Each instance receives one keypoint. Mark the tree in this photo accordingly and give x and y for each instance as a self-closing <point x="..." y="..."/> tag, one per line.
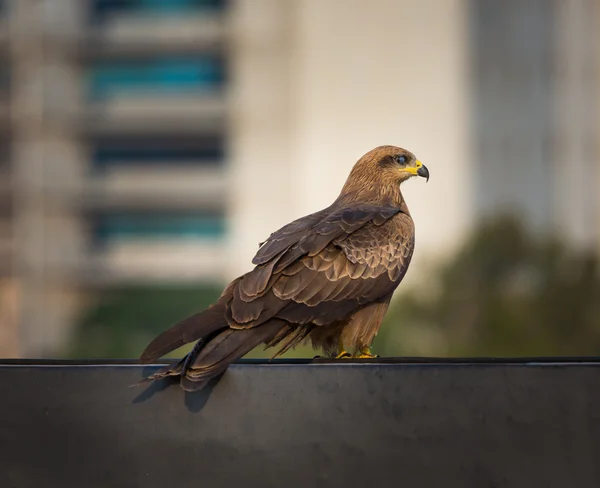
<point x="126" y="319"/>
<point x="505" y="293"/>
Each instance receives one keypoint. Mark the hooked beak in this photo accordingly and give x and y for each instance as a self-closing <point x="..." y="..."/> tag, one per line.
<point x="419" y="169"/>
<point x="422" y="170"/>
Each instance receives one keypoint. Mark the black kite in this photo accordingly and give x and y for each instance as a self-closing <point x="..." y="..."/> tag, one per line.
<point x="327" y="278"/>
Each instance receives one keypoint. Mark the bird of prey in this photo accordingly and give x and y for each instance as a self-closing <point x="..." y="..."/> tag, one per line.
<point x="326" y="278"/>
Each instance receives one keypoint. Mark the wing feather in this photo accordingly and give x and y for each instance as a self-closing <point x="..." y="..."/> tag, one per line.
<point x="320" y="269"/>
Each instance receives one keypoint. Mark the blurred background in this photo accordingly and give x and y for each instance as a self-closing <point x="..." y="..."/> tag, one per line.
<point x="148" y="146"/>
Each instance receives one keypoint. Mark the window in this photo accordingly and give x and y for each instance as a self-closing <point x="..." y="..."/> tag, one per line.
<point x="176" y="75"/>
<point x="157" y="226"/>
<point x="130" y="151"/>
<point x="102" y="9"/>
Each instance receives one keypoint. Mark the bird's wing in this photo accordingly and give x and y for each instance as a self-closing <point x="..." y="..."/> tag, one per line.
<point x="316" y="270"/>
<point x="322" y="268"/>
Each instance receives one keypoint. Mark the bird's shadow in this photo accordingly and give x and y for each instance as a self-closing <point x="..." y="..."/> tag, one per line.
<point x="194" y="401"/>
<point x="153" y="388"/>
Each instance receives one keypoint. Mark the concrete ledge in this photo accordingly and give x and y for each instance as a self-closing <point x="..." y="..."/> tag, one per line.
<point x="411" y="423"/>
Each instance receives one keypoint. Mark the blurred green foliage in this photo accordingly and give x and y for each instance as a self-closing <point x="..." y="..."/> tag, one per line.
<point x="505" y="293"/>
<point x="125" y="320"/>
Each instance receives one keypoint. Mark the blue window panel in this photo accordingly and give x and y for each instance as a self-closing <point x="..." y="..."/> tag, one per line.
<point x="143" y="151"/>
<point x="100" y="9"/>
<point x="136" y="227"/>
<point x="178" y="5"/>
<point x="175" y="75"/>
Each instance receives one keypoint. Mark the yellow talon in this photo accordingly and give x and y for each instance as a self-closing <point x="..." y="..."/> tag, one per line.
<point x="365" y="353"/>
<point x="342" y="353"/>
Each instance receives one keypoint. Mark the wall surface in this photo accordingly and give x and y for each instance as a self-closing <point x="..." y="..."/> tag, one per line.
<point x="461" y="424"/>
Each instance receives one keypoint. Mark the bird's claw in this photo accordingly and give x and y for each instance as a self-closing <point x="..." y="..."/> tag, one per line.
<point x="365" y="353"/>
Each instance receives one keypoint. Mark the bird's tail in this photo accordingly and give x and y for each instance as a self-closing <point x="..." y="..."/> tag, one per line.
<point x="218" y="346"/>
<point x="197" y="326"/>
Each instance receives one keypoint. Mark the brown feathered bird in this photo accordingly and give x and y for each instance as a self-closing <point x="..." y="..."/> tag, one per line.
<point x="327" y="278"/>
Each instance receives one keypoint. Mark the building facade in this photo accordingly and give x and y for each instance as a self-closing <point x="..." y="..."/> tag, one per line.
<point x="155" y="141"/>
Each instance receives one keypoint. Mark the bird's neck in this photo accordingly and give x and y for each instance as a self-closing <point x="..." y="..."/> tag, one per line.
<point x="375" y="194"/>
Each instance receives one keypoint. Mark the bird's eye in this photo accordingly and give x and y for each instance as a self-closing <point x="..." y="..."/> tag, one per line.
<point x="401" y="159"/>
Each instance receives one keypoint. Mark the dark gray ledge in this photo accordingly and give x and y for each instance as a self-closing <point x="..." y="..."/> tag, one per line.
<point x="401" y="423"/>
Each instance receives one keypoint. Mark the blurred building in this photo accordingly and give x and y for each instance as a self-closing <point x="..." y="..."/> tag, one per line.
<point x="158" y="141"/>
<point x="118" y="150"/>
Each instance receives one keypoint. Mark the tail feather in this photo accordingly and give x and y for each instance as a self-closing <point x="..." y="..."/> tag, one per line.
<point x="225" y="348"/>
<point x="188" y="330"/>
<point x="214" y="352"/>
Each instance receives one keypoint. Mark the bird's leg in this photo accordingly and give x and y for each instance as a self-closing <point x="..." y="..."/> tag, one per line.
<point x="342" y="353"/>
<point x="365" y="353"/>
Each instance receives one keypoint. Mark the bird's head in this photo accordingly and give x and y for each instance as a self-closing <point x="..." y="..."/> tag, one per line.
<point x="381" y="171"/>
<point x="392" y="164"/>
